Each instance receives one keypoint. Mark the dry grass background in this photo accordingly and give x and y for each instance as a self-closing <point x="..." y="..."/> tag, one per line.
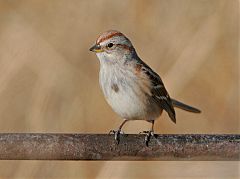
<point x="49" y="79"/>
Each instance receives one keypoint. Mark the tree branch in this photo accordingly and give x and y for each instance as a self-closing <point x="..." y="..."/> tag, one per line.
<point x="33" y="146"/>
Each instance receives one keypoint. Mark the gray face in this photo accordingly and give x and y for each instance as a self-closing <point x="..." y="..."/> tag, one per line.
<point x="114" y="49"/>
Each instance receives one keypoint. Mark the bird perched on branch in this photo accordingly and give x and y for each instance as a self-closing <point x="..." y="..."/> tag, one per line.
<point x="130" y="86"/>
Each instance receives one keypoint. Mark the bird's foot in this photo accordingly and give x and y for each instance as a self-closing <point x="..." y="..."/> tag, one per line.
<point x="148" y="135"/>
<point x="117" y="134"/>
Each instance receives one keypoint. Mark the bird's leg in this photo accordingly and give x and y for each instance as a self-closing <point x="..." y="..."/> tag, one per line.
<point x="118" y="132"/>
<point x="149" y="133"/>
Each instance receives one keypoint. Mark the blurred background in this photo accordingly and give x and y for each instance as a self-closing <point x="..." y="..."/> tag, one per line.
<point x="49" y="79"/>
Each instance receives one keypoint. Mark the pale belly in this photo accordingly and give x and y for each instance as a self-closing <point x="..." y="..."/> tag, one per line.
<point x="127" y="104"/>
<point x="126" y="95"/>
<point x="127" y="99"/>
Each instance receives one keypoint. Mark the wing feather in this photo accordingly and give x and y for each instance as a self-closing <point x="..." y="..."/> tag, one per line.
<point x="159" y="92"/>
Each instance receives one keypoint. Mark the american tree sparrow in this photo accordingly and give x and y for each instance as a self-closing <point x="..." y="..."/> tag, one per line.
<point x="130" y="86"/>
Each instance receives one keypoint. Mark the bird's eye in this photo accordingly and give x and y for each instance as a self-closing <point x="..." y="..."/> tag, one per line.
<point x="110" y="45"/>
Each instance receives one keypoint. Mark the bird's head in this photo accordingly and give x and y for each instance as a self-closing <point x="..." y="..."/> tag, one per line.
<point x="112" y="46"/>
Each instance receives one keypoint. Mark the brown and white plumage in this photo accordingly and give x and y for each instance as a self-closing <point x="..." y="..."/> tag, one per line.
<point x="130" y="86"/>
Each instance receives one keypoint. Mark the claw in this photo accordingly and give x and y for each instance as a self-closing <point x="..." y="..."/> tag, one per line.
<point x="143" y="132"/>
<point x="117" y="137"/>
<point x="112" y="132"/>
<point x="117" y="134"/>
<point x="148" y="136"/>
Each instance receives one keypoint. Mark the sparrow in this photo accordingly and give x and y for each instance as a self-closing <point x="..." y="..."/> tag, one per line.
<point x="130" y="86"/>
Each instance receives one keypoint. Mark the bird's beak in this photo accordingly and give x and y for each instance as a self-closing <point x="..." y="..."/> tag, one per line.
<point x="96" y="48"/>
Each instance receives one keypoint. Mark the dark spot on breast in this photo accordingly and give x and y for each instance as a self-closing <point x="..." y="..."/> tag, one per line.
<point x="115" y="87"/>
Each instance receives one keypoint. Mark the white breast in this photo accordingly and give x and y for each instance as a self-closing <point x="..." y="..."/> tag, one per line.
<point x="123" y="93"/>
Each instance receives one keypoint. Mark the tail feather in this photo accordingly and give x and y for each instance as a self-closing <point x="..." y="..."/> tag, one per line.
<point x="184" y="106"/>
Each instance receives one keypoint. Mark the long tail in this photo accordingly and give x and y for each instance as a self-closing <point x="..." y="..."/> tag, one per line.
<point x="184" y="106"/>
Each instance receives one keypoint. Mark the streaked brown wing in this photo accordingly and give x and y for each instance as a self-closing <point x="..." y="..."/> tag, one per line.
<point x="159" y="92"/>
